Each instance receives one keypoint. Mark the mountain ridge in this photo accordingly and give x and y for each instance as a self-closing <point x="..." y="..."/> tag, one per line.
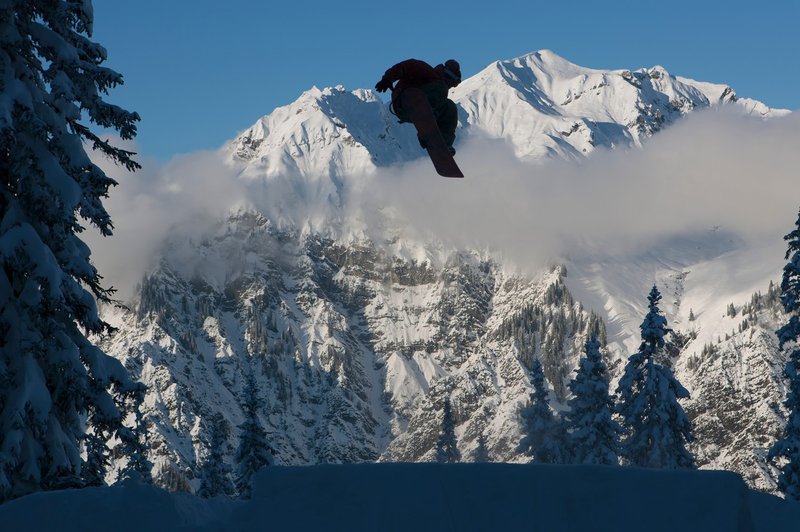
<point x="544" y="105"/>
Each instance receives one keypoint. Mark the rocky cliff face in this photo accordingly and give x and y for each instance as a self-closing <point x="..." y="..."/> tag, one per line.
<point x="738" y="391"/>
<point x="353" y="348"/>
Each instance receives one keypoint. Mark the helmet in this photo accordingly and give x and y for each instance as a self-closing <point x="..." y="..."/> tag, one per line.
<point x="453" y="71"/>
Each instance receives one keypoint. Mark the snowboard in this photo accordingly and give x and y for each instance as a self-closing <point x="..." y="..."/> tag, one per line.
<point x="428" y="132"/>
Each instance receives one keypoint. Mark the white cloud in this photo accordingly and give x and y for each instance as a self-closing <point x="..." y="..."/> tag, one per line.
<point x="185" y="194"/>
<point x="711" y="169"/>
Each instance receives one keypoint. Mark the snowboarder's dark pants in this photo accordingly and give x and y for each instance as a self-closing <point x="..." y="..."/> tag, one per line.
<point x="444" y="109"/>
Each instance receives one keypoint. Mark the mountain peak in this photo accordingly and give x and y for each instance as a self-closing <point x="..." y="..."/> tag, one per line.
<point x="325" y="132"/>
<point x="547" y="60"/>
<point x="312" y="93"/>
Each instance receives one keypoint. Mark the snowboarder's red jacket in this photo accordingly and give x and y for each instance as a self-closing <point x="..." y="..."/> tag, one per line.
<point x="413" y="73"/>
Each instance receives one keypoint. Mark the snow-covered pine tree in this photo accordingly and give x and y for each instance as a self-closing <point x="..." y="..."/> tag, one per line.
<point x="170" y="478"/>
<point x="131" y="448"/>
<point x="787" y="448"/>
<point x="51" y="376"/>
<point x="215" y="473"/>
<point x="544" y="436"/>
<point x="481" y="455"/>
<point x="447" y="447"/>
<point x="96" y="463"/>
<point x="133" y="441"/>
<point x="254" y="452"/>
<point x="592" y="431"/>
<point x="656" y="425"/>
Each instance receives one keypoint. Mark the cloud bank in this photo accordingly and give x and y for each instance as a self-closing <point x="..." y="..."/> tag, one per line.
<point x="185" y="195"/>
<point x="711" y="170"/>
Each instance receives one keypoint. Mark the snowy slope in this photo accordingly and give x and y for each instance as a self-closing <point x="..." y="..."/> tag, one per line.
<point x="324" y="132"/>
<point x="425" y="497"/>
<point x="700" y="274"/>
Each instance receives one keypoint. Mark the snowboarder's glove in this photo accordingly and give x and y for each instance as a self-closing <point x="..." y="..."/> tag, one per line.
<point x="383" y="85"/>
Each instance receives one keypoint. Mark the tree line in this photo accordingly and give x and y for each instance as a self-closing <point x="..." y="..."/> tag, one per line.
<point x="643" y="424"/>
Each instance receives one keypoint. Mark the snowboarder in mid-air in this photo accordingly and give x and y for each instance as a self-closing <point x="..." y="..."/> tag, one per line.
<point x="420" y="97"/>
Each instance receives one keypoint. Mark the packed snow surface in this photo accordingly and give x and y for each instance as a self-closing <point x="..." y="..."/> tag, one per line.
<point x="401" y="497"/>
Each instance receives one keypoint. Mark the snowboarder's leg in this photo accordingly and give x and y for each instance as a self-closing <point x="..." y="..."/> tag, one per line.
<point x="398" y="110"/>
<point x="415" y="104"/>
<point x="447" y="119"/>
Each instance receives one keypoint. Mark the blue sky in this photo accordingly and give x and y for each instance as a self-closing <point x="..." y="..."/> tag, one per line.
<point x="199" y="71"/>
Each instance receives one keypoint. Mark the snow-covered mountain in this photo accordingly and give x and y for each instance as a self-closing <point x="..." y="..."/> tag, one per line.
<point x="542" y="104"/>
<point x="547" y="106"/>
<point x="356" y="337"/>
